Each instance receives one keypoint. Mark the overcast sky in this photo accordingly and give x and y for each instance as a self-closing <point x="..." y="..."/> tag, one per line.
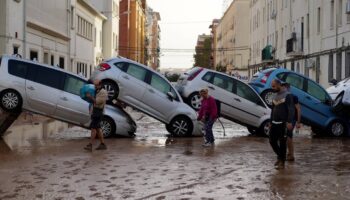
<point x="181" y="23"/>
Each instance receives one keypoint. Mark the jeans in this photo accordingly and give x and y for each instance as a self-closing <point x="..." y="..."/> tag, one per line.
<point x="278" y="140"/>
<point x="208" y="127"/>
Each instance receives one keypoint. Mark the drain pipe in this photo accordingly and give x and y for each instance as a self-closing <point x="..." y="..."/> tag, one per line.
<point x="24" y="29"/>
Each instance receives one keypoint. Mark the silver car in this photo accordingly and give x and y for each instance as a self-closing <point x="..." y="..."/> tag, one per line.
<point x="55" y="93"/>
<point x="148" y="91"/>
<point x="238" y="101"/>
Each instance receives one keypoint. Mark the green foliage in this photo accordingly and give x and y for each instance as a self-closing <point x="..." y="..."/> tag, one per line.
<point x="203" y="55"/>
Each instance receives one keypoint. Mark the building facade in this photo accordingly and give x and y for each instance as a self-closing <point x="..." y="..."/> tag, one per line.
<point x="213" y="31"/>
<point x="153" y="38"/>
<point x="132" y="30"/>
<point x="233" y="39"/>
<point x="309" y="37"/>
<point x="65" y="34"/>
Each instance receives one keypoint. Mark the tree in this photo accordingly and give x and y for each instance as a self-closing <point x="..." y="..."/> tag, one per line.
<point x="202" y="57"/>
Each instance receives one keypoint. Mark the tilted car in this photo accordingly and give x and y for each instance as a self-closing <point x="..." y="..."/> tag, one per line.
<point x="316" y="103"/>
<point x="53" y="92"/>
<point x="149" y="92"/>
<point x="340" y="93"/>
<point x="238" y="101"/>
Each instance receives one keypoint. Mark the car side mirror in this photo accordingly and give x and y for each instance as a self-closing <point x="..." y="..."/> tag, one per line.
<point x="334" y="82"/>
<point x="170" y="96"/>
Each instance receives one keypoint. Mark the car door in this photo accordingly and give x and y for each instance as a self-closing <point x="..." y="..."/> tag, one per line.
<point x="317" y="102"/>
<point x="70" y="106"/>
<point x="132" y="81"/>
<point x="43" y="87"/>
<point x="251" y="106"/>
<point x="156" y="99"/>
<point x="221" y="87"/>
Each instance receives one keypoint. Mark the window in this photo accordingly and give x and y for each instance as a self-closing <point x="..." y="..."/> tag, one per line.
<point x="332" y="15"/>
<point x="45" y="76"/>
<point x="52" y="60"/>
<point x="72" y="15"/>
<point x="160" y="84"/>
<point x="339" y="66"/>
<point x="84" y="28"/>
<point x="82" y="69"/>
<point x="73" y="84"/>
<point x="207" y="76"/>
<point x="281" y="76"/>
<point x="137" y="72"/>
<point x="121" y="65"/>
<point x="318" y="20"/>
<point x="330" y="67"/>
<point x="46" y="58"/>
<point x="17" y="68"/>
<point x="316" y="91"/>
<point x="33" y="55"/>
<point x="246" y="92"/>
<point x="340" y="12"/>
<point x="295" y="80"/>
<point x="61" y="62"/>
<point x="223" y="82"/>
<point x="15" y="50"/>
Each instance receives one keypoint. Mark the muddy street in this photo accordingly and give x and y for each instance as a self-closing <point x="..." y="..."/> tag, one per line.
<point x="46" y="160"/>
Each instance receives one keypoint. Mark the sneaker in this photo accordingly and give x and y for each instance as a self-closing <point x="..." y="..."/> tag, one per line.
<point x="208" y="144"/>
<point x="88" y="147"/>
<point x="280" y="165"/>
<point x="101" y="147"/>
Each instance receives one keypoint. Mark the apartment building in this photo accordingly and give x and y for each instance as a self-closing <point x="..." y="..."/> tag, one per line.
<point x="153" y="38"/>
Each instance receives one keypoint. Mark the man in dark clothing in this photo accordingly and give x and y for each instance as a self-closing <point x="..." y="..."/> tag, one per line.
<point x="296" y="124"/>
<point x="282" y="115"/>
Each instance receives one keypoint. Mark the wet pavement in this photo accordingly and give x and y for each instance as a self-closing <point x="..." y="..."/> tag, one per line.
<point x="46" y="160"/>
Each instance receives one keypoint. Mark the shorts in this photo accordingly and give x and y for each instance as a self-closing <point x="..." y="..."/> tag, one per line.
<point x="95" y="122"/>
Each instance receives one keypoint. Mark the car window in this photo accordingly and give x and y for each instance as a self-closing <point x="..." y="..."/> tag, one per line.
<point x="73" y="84"/>
<point x="17" y="68"/>
<point x="46" y="76"/>
<point x="161" y="85"/>
<point x="223" y="82"/>
<point x="316" y="91"/>
<point x="120" y="65"/>
<point x="280" y="76"/>
<point x="246" y="92"/>
<point x="295" y="80"/>
<point x="207" y="76"/>
<point x="136" y="71"/>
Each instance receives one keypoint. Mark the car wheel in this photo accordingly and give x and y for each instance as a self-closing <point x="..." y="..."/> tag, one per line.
<point x="111" y="88"/>
<point x="181" y="126"/>
<point x="264" y="129"/>
<point x="338" y="103"/>
<point x="108" y="127"/>
<point x="267" y="96"/>
<point x="337" y="128"/>
<point x="11" y="101"/>
<point x="195" y="101"/>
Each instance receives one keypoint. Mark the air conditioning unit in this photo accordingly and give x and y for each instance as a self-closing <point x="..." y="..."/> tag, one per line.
<point x="273" y="14"/>
<point x="348" y="7"/>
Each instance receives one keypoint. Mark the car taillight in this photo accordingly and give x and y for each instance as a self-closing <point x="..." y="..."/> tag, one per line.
<point x="192" y="76"/>
<point x="265" y="77"/>
<point x="103" y="67"/>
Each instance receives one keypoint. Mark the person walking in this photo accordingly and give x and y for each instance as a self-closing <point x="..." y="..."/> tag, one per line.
<point x="282" y="115"/>
<point x="99" y="103"/>
<point x="207" y="114"/>
<point x="296" y="124"/>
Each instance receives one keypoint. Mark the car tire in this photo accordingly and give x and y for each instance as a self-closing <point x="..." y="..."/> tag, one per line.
<point x="264" y="129"/>
<point x="316" y="130"/>
<point x="108" y="127"/>
<point x="194" y="101"/>
<point x="180" y="126"/>
<point x="251" y="130"/>
<point x="337" y="128"/>
<point x="338" y="103"/>
<point x="267" y="96"/>
<point x="111" y="88"/>
<point x="11" y="101"/>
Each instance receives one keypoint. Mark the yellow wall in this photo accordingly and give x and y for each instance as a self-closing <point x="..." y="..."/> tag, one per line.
<point x="137" y="32"/>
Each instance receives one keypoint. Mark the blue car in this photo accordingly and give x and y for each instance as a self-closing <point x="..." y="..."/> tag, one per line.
<point x="316" y="103"/>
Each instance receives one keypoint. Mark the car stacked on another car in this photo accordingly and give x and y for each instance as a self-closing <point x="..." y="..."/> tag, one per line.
<point x="238" y="101"/>
<point x="316" y="103"/>
<point x="340" y="93"/>
<point x="55" y="93"/>
<point x="148" y="91"/>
